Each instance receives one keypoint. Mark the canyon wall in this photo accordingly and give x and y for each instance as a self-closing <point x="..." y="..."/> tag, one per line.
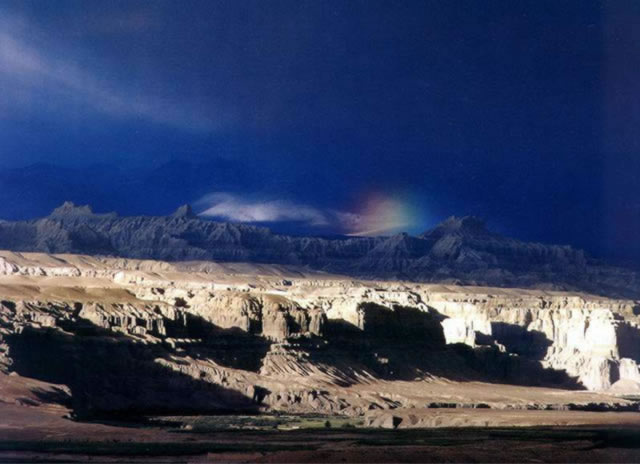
<point x="137" y="334"/>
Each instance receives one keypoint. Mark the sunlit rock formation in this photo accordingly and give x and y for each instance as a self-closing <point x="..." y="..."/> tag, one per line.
<point x="133" y="335"/>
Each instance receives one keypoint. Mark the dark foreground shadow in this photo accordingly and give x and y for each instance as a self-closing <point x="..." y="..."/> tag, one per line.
<point x="110" y="375"/>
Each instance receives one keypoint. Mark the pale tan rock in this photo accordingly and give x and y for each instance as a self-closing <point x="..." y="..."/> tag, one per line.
<point x="249" y="333"/>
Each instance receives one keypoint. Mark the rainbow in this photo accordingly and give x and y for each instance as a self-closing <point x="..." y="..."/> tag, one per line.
<point x="384" y="214"/>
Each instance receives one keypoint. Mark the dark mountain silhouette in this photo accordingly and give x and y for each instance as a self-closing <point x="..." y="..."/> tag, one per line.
<point x="459" y="250"/>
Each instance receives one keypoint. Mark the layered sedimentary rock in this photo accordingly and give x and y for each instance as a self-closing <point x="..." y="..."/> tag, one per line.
<point x="132" y="335"/>
<point x="460" y="250"/>
<point x="594" y="340"/>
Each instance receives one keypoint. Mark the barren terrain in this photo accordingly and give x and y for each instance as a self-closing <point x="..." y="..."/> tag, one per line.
<point x="327" y="361"/>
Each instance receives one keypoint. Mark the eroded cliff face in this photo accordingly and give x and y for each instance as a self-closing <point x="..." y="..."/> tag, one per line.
<point x="109" y="354"/>
<point x="129" y="335"/>
<point x="594" y="340"/>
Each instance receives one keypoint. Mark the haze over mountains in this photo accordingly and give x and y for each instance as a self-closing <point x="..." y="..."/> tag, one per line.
<point x="459" y="250"/>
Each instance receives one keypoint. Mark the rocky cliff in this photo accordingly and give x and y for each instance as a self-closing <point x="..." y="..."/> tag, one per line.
<point x="460" y="250"/>
<point x="146" y="336"/>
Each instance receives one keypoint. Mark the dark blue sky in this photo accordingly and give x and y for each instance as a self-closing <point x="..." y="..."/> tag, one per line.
<point x="335" y="116"/>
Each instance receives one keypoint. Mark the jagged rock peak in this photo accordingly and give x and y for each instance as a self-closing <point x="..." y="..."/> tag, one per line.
<point x="395" y="240"/>
<point x="185" y="211"/>
<point x="467" y="225"/>
<point x="401" y="244"/>
<point x="68" y="208"/>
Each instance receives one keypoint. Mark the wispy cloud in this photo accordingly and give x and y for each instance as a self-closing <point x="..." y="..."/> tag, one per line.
<point x="32" y="70"/>
<point x="234" y="208"/>
<point x="380" y="216"/>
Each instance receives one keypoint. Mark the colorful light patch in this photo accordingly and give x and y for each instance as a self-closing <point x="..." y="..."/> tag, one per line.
<point x="384" y="215"/>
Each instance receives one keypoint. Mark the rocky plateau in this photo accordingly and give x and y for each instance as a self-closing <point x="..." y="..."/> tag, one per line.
<point x="107" y="336"/>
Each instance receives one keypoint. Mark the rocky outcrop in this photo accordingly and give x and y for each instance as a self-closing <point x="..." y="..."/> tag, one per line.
<point x="594" y="340"/>
<point x="125" y="334"/>
<point x="460" y="250"/>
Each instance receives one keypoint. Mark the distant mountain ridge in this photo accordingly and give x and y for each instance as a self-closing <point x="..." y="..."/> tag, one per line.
<point x="459" y="250"/>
